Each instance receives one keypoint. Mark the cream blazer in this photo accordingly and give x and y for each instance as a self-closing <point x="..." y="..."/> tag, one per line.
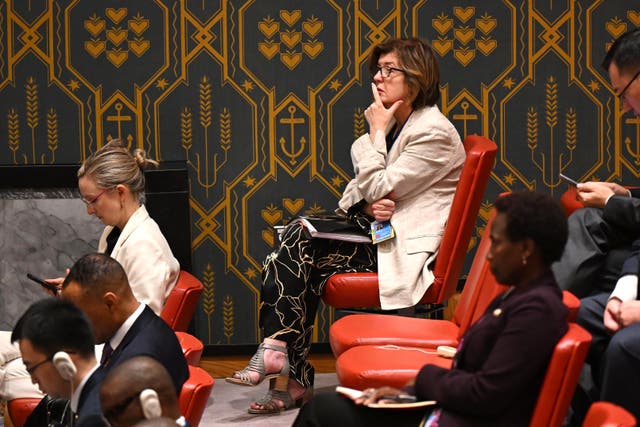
<point x="145" y="255"/>
<point x="422" y="169"/>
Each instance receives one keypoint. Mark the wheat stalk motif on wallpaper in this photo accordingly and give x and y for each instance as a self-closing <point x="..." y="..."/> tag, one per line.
<point x="206" y="177"/>
<point x="208" y="294"/>
<point x="32" y="110"/>
<point x="52" y="133"/>
<point x="552" y="160"/>
<point x="228" y="318"/>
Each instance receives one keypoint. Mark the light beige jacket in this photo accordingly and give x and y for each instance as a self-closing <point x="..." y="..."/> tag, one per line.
<point x="422" y="169"/>
<point x="146" y="257"/>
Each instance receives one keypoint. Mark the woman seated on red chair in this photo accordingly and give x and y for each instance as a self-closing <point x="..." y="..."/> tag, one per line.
<point x="502" y="359"/>
<point x="406" y="171"/>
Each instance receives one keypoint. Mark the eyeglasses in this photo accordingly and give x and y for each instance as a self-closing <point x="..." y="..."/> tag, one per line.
<point x="33" y="368"/>
<point x="385" y="71"/>
<point x="95" y="199"/>
<point x="621" y="95"/>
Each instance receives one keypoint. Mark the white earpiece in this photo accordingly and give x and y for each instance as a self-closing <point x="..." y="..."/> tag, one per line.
<point x="150" y="403"/>
<point x="64" y="365"/>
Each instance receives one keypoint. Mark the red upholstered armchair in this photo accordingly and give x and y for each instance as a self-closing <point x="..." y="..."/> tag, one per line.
<point x="195" y="394"/>
<point x="606" y="414"/>
<point x="347" y="290"/>
<point x="182" y="301"/>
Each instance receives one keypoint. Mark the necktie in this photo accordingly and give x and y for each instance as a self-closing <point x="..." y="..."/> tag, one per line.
<point x="106" y="353"/>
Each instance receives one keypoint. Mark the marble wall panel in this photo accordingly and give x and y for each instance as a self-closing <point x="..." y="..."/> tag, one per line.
<point x="41" y="233"/>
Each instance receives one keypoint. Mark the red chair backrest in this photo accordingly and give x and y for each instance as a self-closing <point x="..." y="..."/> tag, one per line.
<point x="192" y="347"/>
<point x="572" y="303"/>
<point x="20" y="409"/>
<point x="569" y="202"/>
<point x="480" y="287"/>
<point x="606" y="414"/>
<point x="195" y="394"/>
<point x="481" y="153"/>
<point x="561" y="378"/>
<point x="182" y="301"/>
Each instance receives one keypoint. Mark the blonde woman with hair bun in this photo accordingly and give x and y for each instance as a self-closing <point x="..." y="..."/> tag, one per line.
<point x="111" y="183"/>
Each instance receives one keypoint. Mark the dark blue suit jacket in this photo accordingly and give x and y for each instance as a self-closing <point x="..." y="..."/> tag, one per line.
<point x="151" y="336"/>
<point x="89" y="413"/>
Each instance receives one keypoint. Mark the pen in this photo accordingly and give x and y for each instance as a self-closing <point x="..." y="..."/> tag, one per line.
<point x="400" y="398"/>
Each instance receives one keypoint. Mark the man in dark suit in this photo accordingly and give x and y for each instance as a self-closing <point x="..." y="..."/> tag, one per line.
<point x="137" y="389"/>
<point x="56" y="344"/>
<point x="601" y="235"/>
<point x="604" y="250"/>
<point x="98" y="285"/>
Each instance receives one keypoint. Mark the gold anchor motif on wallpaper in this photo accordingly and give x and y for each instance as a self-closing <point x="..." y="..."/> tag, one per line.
<point x="627" y="141"/>
<point x="116" y="35"/>
<point x="119" y="118"/>
<point x="292" y="122"/>
<point x="290" y="38"/>
<point x="560" y="159"/>
<point x="463" y="51"/>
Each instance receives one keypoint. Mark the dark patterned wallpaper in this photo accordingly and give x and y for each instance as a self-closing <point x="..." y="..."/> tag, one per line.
<point x="263" y="99"/>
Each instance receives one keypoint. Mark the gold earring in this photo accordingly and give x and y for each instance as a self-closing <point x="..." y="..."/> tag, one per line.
<point x="524" y="260"/>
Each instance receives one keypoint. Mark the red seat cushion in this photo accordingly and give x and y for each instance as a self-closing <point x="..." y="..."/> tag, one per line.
<point x="378" y="329"/>
<point x="377" y="366"/>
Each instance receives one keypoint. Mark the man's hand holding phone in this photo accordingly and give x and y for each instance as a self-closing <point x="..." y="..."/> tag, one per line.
<point x="50" y="286"/>
<point x="568" y="180"/>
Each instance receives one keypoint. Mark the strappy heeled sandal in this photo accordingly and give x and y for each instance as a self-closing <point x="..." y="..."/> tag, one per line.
<point x="270" y="406"/>
<point x="256" y="364"/>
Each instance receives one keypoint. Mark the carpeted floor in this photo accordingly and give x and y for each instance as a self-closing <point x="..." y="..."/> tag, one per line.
<point x="228" y="404"/>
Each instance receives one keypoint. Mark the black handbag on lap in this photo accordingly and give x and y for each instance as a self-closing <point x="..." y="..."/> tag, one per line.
<point x="50" y="412"/>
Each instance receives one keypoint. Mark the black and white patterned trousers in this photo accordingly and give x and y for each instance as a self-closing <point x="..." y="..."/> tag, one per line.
<point x="293" y="279"/>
